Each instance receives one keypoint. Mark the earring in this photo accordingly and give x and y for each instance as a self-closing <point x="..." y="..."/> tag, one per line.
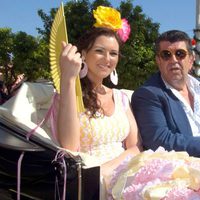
<point x="84" y="70"/>
<point x="114" y="77"/>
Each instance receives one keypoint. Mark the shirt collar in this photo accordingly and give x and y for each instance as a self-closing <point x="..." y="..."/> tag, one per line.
<point x="192" y="83"/>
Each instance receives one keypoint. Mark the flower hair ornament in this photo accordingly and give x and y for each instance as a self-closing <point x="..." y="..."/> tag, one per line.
<point x="111" y="18"/>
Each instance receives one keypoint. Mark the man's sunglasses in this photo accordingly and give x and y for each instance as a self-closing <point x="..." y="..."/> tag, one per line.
<point x="179" y="53"/>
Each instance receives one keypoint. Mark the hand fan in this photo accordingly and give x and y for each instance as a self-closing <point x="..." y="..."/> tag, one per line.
<point x="57" y="35"/>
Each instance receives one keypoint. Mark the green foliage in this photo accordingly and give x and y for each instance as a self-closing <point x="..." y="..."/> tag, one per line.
<point x="78" y="19"/>
<point x="22" y="54"/>
<point x="31" y="55"/>
<point x="137" y="62"/>
<point x="47" y="22"/>
<point x="100" y="2"/>
<point x="6" y="44"/>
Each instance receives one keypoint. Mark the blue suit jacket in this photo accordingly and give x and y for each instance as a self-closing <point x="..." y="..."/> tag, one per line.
<point x="161" y="118"/>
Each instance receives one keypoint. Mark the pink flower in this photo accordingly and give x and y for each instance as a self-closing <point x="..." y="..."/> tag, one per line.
<point x="124" y="32"/>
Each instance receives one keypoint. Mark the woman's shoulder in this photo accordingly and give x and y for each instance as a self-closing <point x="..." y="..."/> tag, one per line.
<point x="123" y="96"/>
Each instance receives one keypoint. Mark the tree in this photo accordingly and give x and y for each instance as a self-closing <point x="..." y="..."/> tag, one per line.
<point x="6" y="38"/>
<point x="137" y="61"/>
<point x="21" y="55"/>
<point x="31" y="55"/>
<point x="6" y="71"/>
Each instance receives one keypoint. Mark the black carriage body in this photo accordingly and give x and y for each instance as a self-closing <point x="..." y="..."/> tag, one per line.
<point x="38" y="172"/>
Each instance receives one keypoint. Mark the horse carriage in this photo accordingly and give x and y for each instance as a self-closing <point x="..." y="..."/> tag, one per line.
<point x="32" y="165"/>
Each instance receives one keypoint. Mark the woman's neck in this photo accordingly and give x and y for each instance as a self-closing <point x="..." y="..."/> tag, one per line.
<point x="100" y="89"/>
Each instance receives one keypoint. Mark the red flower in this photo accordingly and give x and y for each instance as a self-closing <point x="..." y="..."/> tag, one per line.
<point x="194" y="42"/>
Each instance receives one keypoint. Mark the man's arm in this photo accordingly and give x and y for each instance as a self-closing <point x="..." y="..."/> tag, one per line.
<point x="159" y="125"/>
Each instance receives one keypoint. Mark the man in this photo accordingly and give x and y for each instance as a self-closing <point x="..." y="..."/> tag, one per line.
<point x="167" y="106"/>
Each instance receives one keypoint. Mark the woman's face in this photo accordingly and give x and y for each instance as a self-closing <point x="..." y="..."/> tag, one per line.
<point x="102" y="58"/>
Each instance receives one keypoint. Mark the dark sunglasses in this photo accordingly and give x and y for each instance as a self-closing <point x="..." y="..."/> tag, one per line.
<point x="179" y="53"/>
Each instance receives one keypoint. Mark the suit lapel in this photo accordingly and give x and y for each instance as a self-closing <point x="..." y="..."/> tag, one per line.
<point x="178" y="113"/>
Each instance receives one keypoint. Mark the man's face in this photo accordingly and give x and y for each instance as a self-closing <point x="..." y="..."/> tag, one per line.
<point x="174" y="62"/>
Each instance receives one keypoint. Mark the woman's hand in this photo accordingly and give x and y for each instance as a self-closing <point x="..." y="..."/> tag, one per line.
<point x="70" y="61"/>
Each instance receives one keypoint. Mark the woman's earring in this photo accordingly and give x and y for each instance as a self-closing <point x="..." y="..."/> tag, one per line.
<point x="84" y="70"/>
<point x="114" y="77"/>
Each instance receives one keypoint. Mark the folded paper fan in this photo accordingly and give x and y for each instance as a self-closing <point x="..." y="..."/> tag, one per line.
<point x="57" y="35"/>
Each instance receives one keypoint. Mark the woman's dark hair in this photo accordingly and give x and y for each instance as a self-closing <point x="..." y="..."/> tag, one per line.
<point x="85" y="43"/>
<point x="174" y="36"/>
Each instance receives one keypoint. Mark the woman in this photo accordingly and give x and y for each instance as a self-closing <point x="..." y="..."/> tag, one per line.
<point x="107" y="129"/>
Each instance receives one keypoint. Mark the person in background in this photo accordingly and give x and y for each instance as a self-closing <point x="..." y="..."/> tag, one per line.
<point x="107" y="129"/>
<point x="167" y="106"/>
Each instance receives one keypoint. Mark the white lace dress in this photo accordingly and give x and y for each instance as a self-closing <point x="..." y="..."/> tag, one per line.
<point x="103" y="137"/>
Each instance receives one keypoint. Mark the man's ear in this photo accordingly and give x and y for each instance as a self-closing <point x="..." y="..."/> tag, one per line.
<point x="157" y="60"/>
<point x="192" y="59"/>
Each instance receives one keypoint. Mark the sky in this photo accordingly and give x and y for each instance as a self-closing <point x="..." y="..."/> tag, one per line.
<point x="21" y="15"/>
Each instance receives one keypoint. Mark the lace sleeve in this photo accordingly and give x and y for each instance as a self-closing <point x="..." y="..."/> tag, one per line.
<point x="125" y="99"/>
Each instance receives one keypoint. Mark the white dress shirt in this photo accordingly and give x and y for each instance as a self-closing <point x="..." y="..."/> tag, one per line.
<point x="193" y="116"/>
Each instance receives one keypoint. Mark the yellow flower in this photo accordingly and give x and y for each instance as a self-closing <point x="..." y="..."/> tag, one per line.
<point x="107" y="17"/>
